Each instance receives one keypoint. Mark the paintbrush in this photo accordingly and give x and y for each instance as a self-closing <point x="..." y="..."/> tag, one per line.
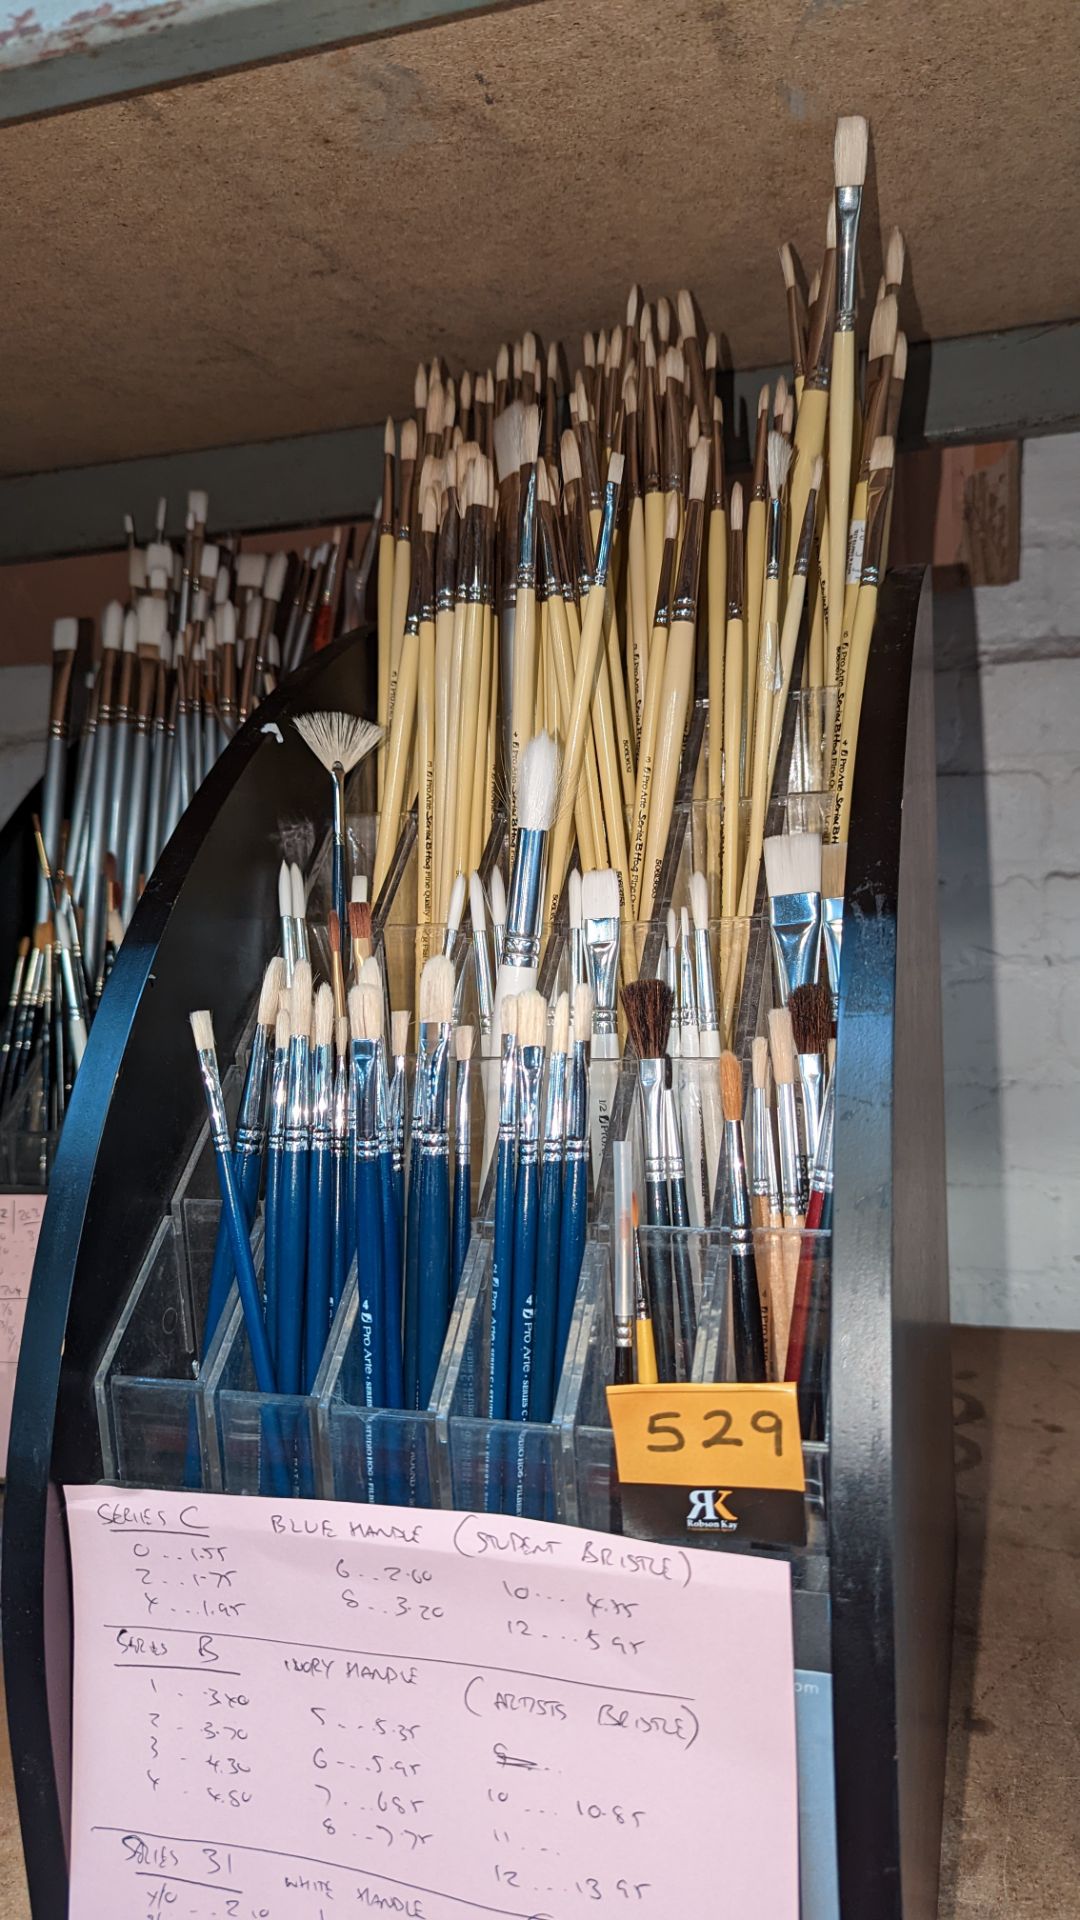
<point x="65" y="639"/>
<point x="339" y="742"/>
<point x="758" y="751"/>
<point x="502" y="1264"/>
<point x="538" y="787"/>
<point x="850" y="691"/>
<point x="601" y="931"/>
<point x="433" y="1217"/>
<point x="747" y="1331"/>
<point x="784" y="1267"/>
<point x="648" y="1008"/>
<point x="365" y="1028"/>
<point x="546" y="1316"/>
<point x="849" y="165"/>
<point x="462" y="1224"/>
<point x="793" y="878"/>
<point x="833" y="867"/>
<point x="678" y="681"/>
<point x="575" y="1190"/>
<point x="531" y="1053"/>
<point x="765" y="1204"/>
<point x="733" y="712"/>
<point x="810" y="1008"/>
<point x="202" y="1027"/>
<point x="623" y="1285"/>
<point x="322" y="1220"/>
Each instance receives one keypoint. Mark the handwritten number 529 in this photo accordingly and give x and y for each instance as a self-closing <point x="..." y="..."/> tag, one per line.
<point x="666" y="1423"/>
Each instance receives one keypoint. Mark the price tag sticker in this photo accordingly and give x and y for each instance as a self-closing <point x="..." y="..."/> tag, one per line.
<point x="724" y="1460"/>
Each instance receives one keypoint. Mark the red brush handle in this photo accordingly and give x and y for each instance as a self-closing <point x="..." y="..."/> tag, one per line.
<point x="323" y="633"/>
<point x="804" y="1280"/>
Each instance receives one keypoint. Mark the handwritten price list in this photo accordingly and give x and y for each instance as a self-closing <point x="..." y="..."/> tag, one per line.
<point x="20" y="1224"/>
<point x="294" y="1711"/>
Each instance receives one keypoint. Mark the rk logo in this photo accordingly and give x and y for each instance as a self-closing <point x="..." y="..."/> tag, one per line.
<point x="709" y="1508"/>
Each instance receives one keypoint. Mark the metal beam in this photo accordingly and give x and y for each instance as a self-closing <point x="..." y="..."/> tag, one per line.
<point x="1002" y="386"/>
<point x="60" y="54"/>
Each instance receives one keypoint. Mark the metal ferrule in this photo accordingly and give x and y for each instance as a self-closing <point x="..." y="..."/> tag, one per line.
<point x="251" y="1121"/>
<point x="819" y="341"/>
<point x="708" y="1017"/>
<point x="485" y="990"/>
<point x="433" y="1072"/>
<point x="812" y="1081"/>
<point x="763" y="1176"/>
<point x="554" y="1108"/>
<point x="521" y="946"/>
<point x="396" y="1100"/>
<point x="795" y="919"/>
<point x="774" y="541"/>
<point x="832" y="934"/>
<point x="667" y="968"/>
<point x="607" y="534"/>
<point x="298" y="1099"/>
<point x="787" y="1120"/>
<point x="822" y="1180"/>
<point x="737" y="1190"/>
<point x="685" y="1005"/>
<point x="365" y="1075"/>
<point x="577" y="1102"/>
<point x="215" y="1100"/>
<point x="339" y="1116"/>
<point x="382" y="1102"/>
<point x="624" y="1296"/>
<point x="759" y="486"/>
<point x="76" y="1025"/>
<point x="684" y="604"/>
<point x="662" y="611"/>
<point x="303" y="950"/>
<point x="289" y="951"/>
<point x="736" y="571"/>
<point x="279" y="1087"/>
<point x="526" y="562"/>
<point x="322" y="1098"/>
<point x="602" y="958"/>
<point x="652" y="1077"/>
<point x="676" y="1169"/>
<point x="848" y="208"/>
<point x="508" y="1089"/>
<point x="530" y="1071"/>
<point x="463" y="1114"/>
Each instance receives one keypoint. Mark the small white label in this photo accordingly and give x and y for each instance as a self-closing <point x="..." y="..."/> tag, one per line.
<point x="856" y="539"/>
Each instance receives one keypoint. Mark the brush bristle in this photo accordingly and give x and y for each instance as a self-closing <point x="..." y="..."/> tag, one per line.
<point x="399" y="1032"/>
<point x="477" y="904"/>
<point x="338" y="739"/>
<point x="323" y="1023"/>
<point x="778" y="457"/>
<point x="849" y="150"/>
<point x="298" y="891"/>
<point x="687" y="317"/>
<point x="508" y="1014"/>
<point x="736" y="508"/>
<point x="112" y="626"/>
<point x="202" y="1026"/>
<point x="833" y="869"/>
<point x="270" y="992"/>
<point x="615" y="465"/>
<point x="895" y="255"/>
<point x="508" y="435"/>
<point x="429" y="512"/>
<point x="600" y="899"/>
<point x="497" y="897"/>
<point x="584" y="1002"/>
<point x="671" y="517"/>
<point x="571" y="459"/>
<point x="300" y="997"/>
<point x="65" y="634"/>
<point x="437" y="990"/>
<point x="388" y="439"/>
<point x="560" y="1025"/>
<point x="410" y="439"/>
<point x="882" y="453"/>
<point x="463" y="1044"/>
<point x="341" y="1035"/>
<point x="811" y="1018"/>
<point x="573" y="898"/>
<point x="276" y="569"/>
<point x="284" y="890"/>
<point x="360" y="923"/>
<point x="531" y="1019"/>
<point x="883" y="328"/>
<point x="781" y="1046"/>
<point x="699" y="900"/>
<point x="899" y="359"/>
<point x="792" y="863"/>
<point x="759" y="1061"/>
<point x="787" y="264"/>
<point x="457" y="904"/>
<point x="538" y="783"/>
<point x="699" y="469"/>
<point x="731" y="1087"/>
<point x="420" y="387"/>
<point x="648" y="1004"/>
<point x="370" y="974"/>
<point x="531" y="436"/>
<point x="816" y="472"/>
<point x="282" y="1025"/>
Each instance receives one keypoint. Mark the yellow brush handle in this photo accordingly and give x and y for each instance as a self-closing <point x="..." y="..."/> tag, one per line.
<point x="755" y="586"/>
<point x="789" y="639"/>
<point x="563" y="678"/>
<point x="645" y="1348"/>
<point x="844" y="771"/>
<point x="596" y="810"/>
<point x="448" y="827"/>
<point x="646" y="751"/>
<point x="841" y="425"/>
<point x="653" y="504"/>
<point x="398" y="755"/>
<point x="478" y="784"/>
<point x="444" y="658"/>
<point x="385" y="597"/>
<point x="492" y="750"/>
<point x="471" y="732"/>
<point x="815" y="653"/>
<point x="809" y="442"/>
<point x="717" y="578"/>
<point x="759" y="790"/>
<point x="399" y="607"/>
<point x="425" y="766"/>
<point x="618" y="703"/>
<point x="852" y="577"/>
<point x="588" y="656"/>
<point x="523" y="688"/>
<point x="608" y="762"/>
<point x="671" y="725"/>
<point x="733" y="690"/>
<point x="640" y="610"/>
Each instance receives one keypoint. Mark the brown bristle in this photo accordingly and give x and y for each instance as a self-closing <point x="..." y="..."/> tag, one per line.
<point x="731" y="1089"/>
<point x="359" y="919"/>
<point x="811" y="1018"/>
<point x="647" y="1004"/>
<point x="333" y="928"/>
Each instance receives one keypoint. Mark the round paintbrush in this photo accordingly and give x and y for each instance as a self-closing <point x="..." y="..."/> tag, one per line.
<point x="747" y="1330"/>
<point x="648" y="1008"/>
<point x="677" y="688"/>
<point x="849" y="164"/>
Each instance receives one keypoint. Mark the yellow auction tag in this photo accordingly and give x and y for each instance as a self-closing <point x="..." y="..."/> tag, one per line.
<point x="690" y="1435"/>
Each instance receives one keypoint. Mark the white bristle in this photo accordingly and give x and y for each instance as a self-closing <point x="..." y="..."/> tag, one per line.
<point x="323" y="1024"/>
<point x="560" y="1025"/>
<point x="226" y="624"/>
<point x="699" y="899"/>
<point x="159" y="558"/>
<point x="202" y="1026"/>
<point x="584" y="1001"/>
<point x="895" y="252"/>
<point x="463" y="1043"/>
<point x="338" y="739"/>
<point x="759" y="1061"/>
<point x="298" y="892"/>
<point x="300" y="997"/>
<point x="793" y="863"/>
<point x="538" y="783"/>
<point x="131" y="631"/>
<point x="671" y="928"/>
<point x="359" y="888"/>
<point x="457" y="904"/>
<point x="222" y="584"/>
<point x="251" y="570"/>
<point x="399" y="1032"/>
<point x="849" y="150"/>
<point x="270" y="992"/>
<point x="276" y="569"/>
<point x="699" y="469"/>
<point x="370" y="973"/>
<point x="497" y="897"/>
<point x="508" y="1016"/>
<point x="573" y="898"/>
<point x="65" y="635"/>
<point x="778" y="457"/>
<point x="112" y="626"/>
<point x="284" y="890"/>
<point x="615" y="465"/>
<point x="477" y="907"/>
<point x="532" y="1019"/>
<point x="150" y="619"/>
<point x="341" y="1035"/>
<point x="883" y="328"/>
<point x="198" y="505"/>
<point x="600" y="894"/>
<point x="437" y="990"/>
<point x="508" y="435"/>
<point x="282" y="1025"/>
<point x="371" y="1002"/>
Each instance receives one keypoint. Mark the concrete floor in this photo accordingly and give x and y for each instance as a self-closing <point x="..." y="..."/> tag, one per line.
<point x="1012" y="1827"/>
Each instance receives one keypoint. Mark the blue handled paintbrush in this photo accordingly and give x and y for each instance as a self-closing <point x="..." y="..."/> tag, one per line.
<point x="293" y="1197"/>
<point x="321" y="1170"/>
<point x="542" y="1388"/>
<point x="575" y="1193"/>
<point x="275" y="1148"/>
<point x="433" y="1215"/>
<point x="202" y="1026"/>
<point x="531" y="1054"/>
<point x="463" y="1046"/>
<point x="249" y="1145"/>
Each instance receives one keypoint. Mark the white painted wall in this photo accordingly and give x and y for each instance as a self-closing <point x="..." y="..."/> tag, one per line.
<point x="1008" y="690"/>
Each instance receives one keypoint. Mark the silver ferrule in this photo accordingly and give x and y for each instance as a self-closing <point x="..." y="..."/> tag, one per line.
<point x="555" y="1108"/>
<point x="337" y="775"/>
<point x="578" y="961"/>
<point x="577" y="1101"/>
<point x="300" y="931"/>
<point x="526" y="567"/>
<point x="396" y="1111"/>
<point x="708" y="1017"/>
<point x="322" y="1098"/>
<point x="676" y="1169"/>
<point x="624" y="1291"/>
<point x="668" y="968"/>
<point x="871" y="573"/>
<point x="365" y="1075"/>
<point x="602" y="959"/>
<point x="652" y="1075"/>
<point x="250" y="1121"/>
<point x="382" y="1102"/>
<point x="795" y="919"/>
<point x="508" y="1088"/>
<point x="763" y="1177"/>
<point x="823" y="1160"/>
<point x="788" y="1126"/>
<point x="530" y="1066"/>
<point x="215" y="1100"/>
<point x="339" y="1115"/>
<point x="686" y="1009"/>
<point x="298" y="1099"/>
<point x="521" y="948"/>
<point x="463" y="1114"/>
<point x="736" y="1166"/>
<point x="289" y="952"/>
<point x="848" y="207"/>
<point x="607" y="534"/>
<point x="774" y="541"/>
<point x="76" y="1025"/>
<point x="433" y="1074"/>
<point x="812" y="1081"/>
<point x="485" y="989"/>
<point x="279" y="1087"/>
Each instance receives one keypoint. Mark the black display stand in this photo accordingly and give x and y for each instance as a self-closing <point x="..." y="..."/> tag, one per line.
<point x="201" y="935"/>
